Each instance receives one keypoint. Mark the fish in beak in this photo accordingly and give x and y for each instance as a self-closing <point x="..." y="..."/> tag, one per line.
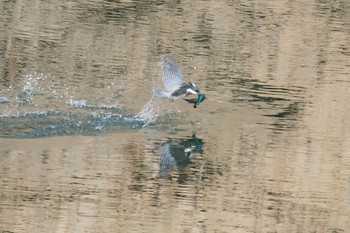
<point x="197" y="101"/>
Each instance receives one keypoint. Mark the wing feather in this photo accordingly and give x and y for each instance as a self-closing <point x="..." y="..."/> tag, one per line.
<point x="172" y="75"/>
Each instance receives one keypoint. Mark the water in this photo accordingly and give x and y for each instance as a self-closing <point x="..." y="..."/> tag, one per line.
<point x="86" y="146"/>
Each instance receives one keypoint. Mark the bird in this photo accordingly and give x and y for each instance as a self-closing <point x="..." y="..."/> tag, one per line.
<point x="177" y="152"/>
<point x="172" y="81"/>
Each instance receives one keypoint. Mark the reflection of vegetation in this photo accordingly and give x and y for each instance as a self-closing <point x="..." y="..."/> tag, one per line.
<point x="284" y="103"/>
<point x="256" y="91"/>
<point x="287" y="118"/>
<point x="291" y="110"/>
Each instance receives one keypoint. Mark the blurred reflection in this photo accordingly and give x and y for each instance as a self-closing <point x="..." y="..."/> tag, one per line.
<point x="177" y="152"/>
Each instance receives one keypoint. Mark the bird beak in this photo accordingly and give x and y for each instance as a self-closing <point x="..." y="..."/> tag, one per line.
<point x="192" y="91"/>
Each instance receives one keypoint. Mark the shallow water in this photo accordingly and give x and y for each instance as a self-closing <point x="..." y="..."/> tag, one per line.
<point x="87" y="147"/>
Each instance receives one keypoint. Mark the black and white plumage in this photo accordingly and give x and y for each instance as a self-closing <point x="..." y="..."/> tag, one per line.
<point x="177" y="152"/>
<point x="172" y="81"/>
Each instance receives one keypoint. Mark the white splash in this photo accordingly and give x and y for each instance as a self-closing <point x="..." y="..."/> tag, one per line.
<point x="150" y="112"/>
<point x="78" y="103"/>
<point x="4" y="100"/>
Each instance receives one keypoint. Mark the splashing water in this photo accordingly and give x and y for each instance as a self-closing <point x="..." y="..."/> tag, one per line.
<point x="4" y="100"/>
<point x="38" y="107"/>
<point x="150" y="112"/>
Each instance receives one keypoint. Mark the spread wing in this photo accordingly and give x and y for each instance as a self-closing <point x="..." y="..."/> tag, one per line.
<point x="172" y="75"/>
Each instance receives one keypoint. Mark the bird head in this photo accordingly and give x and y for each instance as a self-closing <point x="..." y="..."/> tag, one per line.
<point x="193" y="89"/>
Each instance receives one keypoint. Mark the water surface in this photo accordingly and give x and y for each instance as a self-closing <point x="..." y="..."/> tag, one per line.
<point x="87" y="147"/>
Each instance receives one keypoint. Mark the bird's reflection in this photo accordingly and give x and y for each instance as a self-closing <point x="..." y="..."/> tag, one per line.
<point x="177" y="152"/>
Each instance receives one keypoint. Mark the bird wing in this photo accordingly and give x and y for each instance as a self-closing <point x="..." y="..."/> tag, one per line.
<point x="172" y="75"/>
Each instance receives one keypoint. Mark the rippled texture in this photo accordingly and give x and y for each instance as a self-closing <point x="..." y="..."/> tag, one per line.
<point x="87" y="147"/>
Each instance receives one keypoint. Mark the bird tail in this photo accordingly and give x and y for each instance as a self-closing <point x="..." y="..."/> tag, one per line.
<point x="162" y="94"/>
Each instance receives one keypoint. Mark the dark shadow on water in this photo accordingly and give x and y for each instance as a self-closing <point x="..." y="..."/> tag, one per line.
<point x="177" y="153"/>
